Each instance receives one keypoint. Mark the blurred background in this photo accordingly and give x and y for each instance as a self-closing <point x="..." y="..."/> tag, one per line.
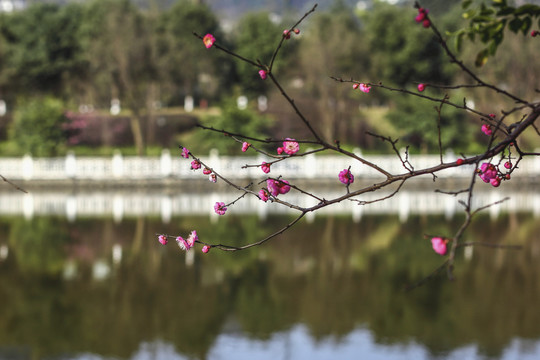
<point x="96" y="96"/>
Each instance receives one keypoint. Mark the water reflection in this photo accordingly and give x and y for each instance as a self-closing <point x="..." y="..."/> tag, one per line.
<point x="330" y="289"/>
<point x="167" y="204"/>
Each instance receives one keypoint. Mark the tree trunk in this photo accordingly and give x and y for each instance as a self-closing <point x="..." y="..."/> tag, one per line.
<point x="136" y="128"/>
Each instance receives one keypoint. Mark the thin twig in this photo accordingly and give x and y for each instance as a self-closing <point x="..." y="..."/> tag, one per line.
<point x="13" y="185"/>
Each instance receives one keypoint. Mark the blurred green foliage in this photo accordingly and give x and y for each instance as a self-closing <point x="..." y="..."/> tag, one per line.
<point x="247" y="122"/>
<point x="92" y="52"/>
<point x="37" y="126"/>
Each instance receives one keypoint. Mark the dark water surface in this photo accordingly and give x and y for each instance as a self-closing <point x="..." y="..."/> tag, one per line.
<point x="94" y="288"/>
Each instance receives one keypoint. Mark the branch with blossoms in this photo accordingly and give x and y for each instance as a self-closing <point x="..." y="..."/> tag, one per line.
<point x="502" y="132"/>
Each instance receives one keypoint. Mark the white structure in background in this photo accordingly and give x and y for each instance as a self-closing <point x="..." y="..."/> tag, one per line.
<point x="3" y="108"/>
<point x="11" y="5"/>
<point x="115" y="107"/>
<point x="242" y="102"/>
<point x="262" y="103"/>
<point x="189" y="103"/>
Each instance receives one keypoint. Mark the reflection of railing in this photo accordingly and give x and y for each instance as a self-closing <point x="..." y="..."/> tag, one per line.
<point x="120" y="167"/>
<point x="128" y="204"/>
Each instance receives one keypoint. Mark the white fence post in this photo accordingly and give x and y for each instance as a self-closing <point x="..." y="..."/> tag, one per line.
<point x="165" y="162"/>
<point x="71" y="165"/>
<point x="117" y="165"/>
<point x="27" y="167"/>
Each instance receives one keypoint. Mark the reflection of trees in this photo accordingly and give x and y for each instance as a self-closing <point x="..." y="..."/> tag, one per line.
<point x="39" y="244"/>
<point x="303" y="278"/>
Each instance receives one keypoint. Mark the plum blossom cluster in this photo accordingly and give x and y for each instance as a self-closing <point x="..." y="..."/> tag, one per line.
<point x="363" y="87"/>
<point x="290" y="147"/>
<point x="196" y="165"/>
<point x="486" y="129"/>
<point x="287" y="33"/>
<point x="276" y="187"/>
<point x="489" y="174"/>
<point x="422" y="17"/>
<point x="185" y="244"/>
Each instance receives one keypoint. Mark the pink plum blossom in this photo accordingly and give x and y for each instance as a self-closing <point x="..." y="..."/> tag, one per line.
<point x="421" y="87"/>
<point x="209" y="40"/>
<point x="192" y="238"/>
<point x="212" y="178"/>
<point x="185" y="153"/>
<point x="279" y="150"/>
<point x="486" y="129"/>
<point x="245" y="146"/>
<point x="296" y="31"/>
<point x="439" y="245"/>
<point x="265" y="167"/>
<point x="263" y="74"/>
<point x="163" y="239"/>
<point x="206" y="171"/>
<point x="426" y="23"/>
<point x="263" y="195"/>
<point x="355" y="86"/>
<point x="459" y="161"/>
<point x="205" y="249"/>
<point x="286" y="34"/>
<point x="495" y="182"/>
<point x="346" y="177"/>
<point x="290" y="146"/>
<point x="220" y="208"/>
<point x="420" y="17"/>
<point x="364" y="88"/>
<point x="283" y="186"/>
<point x="277" y="187"/>
<point x="508" y="164"/>
<point x="487" y="172"/>
<point x="195" y="164"/>
<point x="272" y="187"/>
<point x="182" y="244"/>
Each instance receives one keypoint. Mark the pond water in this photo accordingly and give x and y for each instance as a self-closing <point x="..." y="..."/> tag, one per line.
<point x="95" y="287"/>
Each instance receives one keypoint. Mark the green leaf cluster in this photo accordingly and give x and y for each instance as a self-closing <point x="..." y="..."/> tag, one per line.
<point x="489" y="22"/>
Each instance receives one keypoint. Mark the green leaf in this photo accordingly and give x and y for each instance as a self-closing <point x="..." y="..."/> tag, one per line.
<point x="527" y="9"/>
<point x="492" y="49"/>
<point x="508" y="10"/>
<point x="482" y="18"/>
<point x="459" y="40"/>
<point x="527" y="22"/>
<point x="515" y="24"/>
<point x="465" y="4"/>
<point x="481" y="58"/>
<point x="469" y="14"/>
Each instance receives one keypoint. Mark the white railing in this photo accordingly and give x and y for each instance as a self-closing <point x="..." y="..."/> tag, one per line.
<point x="120" y="167"/>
